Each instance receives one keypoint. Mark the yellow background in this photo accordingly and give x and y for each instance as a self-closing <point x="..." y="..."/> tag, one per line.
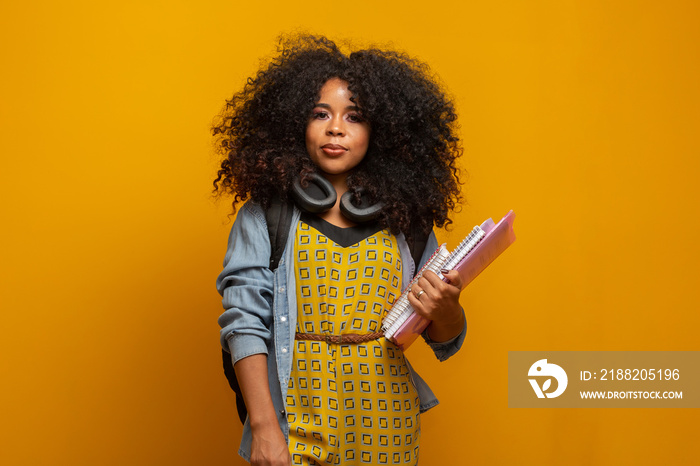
<point x="582" y="116"/>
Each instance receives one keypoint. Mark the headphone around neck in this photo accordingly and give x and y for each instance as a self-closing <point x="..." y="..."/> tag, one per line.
<point x="321" y="196"/>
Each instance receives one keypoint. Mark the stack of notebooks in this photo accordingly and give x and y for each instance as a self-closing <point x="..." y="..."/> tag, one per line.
<point x="485" y="243"/>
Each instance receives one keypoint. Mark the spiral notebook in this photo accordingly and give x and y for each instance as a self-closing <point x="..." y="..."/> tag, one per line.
<point x="482" y="246"/>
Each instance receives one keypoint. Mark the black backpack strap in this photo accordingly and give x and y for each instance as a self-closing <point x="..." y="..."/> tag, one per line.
<point x="279" y="220"/>
<point x="419" y="240"/>
<point x="230" y="374"/>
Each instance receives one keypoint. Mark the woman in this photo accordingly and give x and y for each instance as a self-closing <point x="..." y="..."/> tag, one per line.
<point x="364" y="145"/>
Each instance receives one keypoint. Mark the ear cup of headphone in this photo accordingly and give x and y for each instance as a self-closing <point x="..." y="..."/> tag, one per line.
<point x="361" y="214"/>
<point x="318" y="197"/>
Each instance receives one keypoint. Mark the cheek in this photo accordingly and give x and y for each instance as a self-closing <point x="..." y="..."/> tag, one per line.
<point x="358" y="132"/>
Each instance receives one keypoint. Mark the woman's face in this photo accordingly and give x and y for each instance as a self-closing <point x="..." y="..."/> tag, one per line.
<point x="336" y="135"/>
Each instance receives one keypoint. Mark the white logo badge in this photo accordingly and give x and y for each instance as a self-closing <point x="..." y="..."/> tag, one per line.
<point x="542" y="369"/>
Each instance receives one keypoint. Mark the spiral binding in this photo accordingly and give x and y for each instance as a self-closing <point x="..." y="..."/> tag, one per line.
<point x="465" y="247"/>
<point x="440" y="260"/>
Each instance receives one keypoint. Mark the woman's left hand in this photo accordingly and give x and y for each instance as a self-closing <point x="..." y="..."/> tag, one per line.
<point x="438" y="301"/>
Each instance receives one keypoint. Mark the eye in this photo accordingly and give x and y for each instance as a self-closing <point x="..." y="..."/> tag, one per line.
<point x="355" y="118"/>
<point x="319" y="115"/>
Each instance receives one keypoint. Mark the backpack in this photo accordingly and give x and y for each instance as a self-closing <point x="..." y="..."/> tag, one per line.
<point x="279" y="219"/>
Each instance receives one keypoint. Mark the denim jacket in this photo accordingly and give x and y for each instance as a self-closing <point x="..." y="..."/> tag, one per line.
<point x="260" y="308"/>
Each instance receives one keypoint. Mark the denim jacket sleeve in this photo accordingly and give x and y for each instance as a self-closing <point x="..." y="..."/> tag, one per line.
<point x="246" y="285"/>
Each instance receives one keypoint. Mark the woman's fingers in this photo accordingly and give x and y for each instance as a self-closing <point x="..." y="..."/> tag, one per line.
<point x="435" y="287"/>
<point x="434" y="298"/>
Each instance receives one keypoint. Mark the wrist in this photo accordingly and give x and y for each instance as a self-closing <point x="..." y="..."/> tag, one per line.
<point x="446" y="329"/>
<point x="263" y="422"/>
<point x="449" y="318"/>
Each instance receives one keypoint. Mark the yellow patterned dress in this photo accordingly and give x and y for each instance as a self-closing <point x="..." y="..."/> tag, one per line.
<point x="348" y="404"/>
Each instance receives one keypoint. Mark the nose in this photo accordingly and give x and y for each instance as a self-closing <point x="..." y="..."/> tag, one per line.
<point x="335" y="127"/>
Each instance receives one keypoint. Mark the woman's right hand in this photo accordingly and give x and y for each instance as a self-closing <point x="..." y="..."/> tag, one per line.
<point x="268" y="447"/>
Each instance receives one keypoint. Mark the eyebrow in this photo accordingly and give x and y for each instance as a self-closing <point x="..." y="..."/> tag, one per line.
<point x="349" y="107"/>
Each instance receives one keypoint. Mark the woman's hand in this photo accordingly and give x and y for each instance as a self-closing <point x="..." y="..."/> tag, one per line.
<point x="438" y="301"/>
<point x="268" y="446"/>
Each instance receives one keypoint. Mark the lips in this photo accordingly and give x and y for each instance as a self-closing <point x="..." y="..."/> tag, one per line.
<point x="334" y="150"/>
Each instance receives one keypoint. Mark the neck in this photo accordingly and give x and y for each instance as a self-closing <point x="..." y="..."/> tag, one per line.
<point x="334" y="215"/>
<point x="339" y="182"/>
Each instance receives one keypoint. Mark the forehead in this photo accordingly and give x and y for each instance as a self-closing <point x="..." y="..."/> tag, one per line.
<point x="335" y="90"/>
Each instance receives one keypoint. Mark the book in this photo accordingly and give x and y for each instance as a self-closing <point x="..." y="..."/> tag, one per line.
<point x="483" y="245"/>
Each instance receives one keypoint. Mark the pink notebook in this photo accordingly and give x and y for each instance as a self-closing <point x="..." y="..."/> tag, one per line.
<point x="485" y="243"/>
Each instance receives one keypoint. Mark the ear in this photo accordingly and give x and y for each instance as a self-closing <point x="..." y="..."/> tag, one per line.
<point x="361" y="214"/>
<point x="314" y="204"/>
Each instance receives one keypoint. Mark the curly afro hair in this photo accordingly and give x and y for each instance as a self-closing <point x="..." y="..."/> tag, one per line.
<point x="410" y="161"/>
